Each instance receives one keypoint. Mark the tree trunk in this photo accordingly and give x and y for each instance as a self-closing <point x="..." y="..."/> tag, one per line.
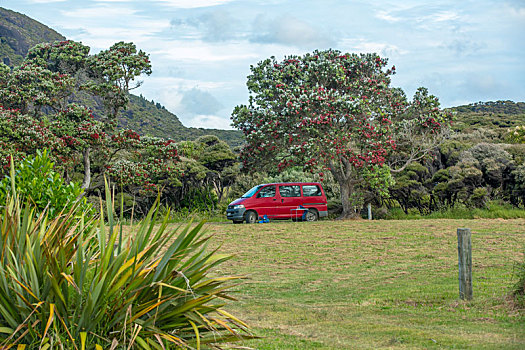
<point x="348" y="210"/>
<point x="87" y="168"/>
<point x="343" y="175"/>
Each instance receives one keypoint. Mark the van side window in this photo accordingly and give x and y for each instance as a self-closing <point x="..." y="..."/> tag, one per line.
<point x="311" y="191"/>
<point x="290" y="191"/>
<point x="268" y="191"/>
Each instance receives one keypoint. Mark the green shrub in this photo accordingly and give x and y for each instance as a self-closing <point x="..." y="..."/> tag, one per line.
<point x="493" y="210"/>
<point x="38" y="183"/>
<point x="66" y="285"/>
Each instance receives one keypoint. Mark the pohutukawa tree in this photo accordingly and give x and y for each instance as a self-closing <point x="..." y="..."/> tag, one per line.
<point x="36" y="97"/>
<point x="328" y="111"/>
<point x="36" y="113"/>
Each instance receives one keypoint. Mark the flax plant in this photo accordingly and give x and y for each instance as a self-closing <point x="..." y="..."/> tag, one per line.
<point x="69" y="283"/>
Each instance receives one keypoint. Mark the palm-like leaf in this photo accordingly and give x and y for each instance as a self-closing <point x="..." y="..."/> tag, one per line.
<point x="79" y="283"/>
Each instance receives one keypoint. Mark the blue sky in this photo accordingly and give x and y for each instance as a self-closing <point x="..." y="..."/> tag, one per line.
<point x="201" y="50"/>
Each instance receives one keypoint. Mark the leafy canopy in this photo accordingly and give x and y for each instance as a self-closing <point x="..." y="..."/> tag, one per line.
<point x="318" y="109"/>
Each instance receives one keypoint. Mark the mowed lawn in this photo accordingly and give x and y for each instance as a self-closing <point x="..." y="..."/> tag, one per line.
<point x="374" y="284"/>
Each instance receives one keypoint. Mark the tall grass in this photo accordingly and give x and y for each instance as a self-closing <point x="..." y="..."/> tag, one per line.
<point x="493" y="210"/>
<point x="81" y="284"/>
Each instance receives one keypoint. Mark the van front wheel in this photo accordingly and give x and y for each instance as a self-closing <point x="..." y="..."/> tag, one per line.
<point x="250" y="217"/>
<point x="312" y="215"/>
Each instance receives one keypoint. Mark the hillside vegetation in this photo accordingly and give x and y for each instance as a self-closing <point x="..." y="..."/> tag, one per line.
<point x="18" y="33"/>
<point x="496" y="115"/>
<point x="155" y="120"/>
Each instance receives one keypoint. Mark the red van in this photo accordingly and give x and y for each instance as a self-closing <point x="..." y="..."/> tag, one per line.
<point x="290" y="200"/>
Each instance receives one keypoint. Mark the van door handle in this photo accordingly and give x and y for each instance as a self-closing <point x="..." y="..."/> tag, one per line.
<point x="282" y="200"/>
<point x="275" y="199"/>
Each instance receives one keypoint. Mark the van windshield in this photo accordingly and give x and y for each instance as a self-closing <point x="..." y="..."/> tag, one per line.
<point x="251" y="192"/>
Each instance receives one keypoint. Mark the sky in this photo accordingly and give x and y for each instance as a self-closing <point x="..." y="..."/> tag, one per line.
<point x="201" y="50"/>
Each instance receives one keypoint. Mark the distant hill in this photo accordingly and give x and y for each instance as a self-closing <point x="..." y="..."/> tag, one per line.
<point x="489" y="115"/>
<point x="155" y="120"/>
<point x="500" y="107"/>
<point x="18" y="33"/>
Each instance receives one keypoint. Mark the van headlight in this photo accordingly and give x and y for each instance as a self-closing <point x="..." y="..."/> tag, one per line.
<point x="238" y="206"/>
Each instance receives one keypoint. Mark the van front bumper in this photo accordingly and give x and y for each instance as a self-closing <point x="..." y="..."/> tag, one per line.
<point x="235" y="214"/>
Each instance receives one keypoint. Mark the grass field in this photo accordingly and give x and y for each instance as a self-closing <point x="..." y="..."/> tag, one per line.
<point x="377" y="284"/>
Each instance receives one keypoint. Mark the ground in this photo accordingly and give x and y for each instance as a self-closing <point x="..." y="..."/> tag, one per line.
<point x="374" y="284"/>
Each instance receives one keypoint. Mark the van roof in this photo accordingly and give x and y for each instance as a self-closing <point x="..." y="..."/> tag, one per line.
<point x="292" y="183"/>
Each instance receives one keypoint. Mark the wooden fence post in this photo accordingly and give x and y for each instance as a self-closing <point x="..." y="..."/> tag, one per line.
<point x="465" y="263"/>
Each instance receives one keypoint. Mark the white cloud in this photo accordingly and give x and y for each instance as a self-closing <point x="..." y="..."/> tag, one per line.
<point x="200" y="102"/>
<point x="289" y="30"/>
<point x="214" y="26"/>
<point x="171" y="91"/>
<point x="184" y="84"/>
<point x="463" y="46"/>
<point x="43" y="1"/>
<point x="209" y="122"/>
<point x="204" y="52"/>
<point x="364" y="46"/>
<point x="518" y="12"/>
<point x="98" y="13"/>
<point x="442" y="16"/>
<point x="103" y="25"/>
<point x="189" y="4"/>
<point x="387" y="16"/>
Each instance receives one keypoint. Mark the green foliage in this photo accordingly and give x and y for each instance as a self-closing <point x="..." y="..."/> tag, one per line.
<point x="450" y="151"/>
<point x="479" y="197"/>
<point x="199" y="199"/>
<point x="492" y="210"/>
<point x="518" y="186"/>
<point x="517" y="151"/>
<point x="22" y="135"/>
<point x="66" y="56"/>
<point x="292" y="174"/>
<point x="409" y="188"/>
<point x="491" y="119"/>
<point x="494" y="162"/>
<point x="516" y="135"/>
<point x="209" y="169"/>
<point x="378" y="179"/>
<point x="114" y="72"/>
<point x="214" y="153"/>
<point x="65" y="283"/>
<point x="36" y="182"/>
<point x="244" y="182"/>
